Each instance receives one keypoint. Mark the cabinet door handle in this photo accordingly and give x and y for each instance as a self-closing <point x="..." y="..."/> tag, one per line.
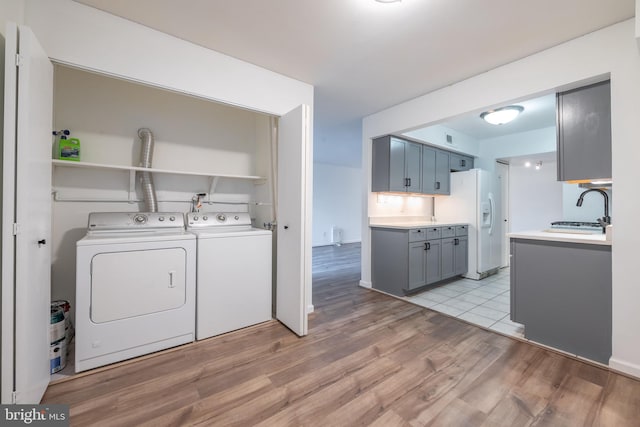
<point x="408" y="182"/>
<point x="463" y="163"/>
<point x="437" y="185"/>
<point x="427" y="246"/>
<point x="456" y="241"/>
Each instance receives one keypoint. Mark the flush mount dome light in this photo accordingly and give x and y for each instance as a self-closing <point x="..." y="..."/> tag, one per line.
<point x="503" y="115"/>
<point x="388" y="1"/>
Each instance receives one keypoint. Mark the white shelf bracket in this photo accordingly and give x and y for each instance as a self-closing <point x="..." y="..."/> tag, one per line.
<point x="132" y="186"/>
<point x="213" y="183"/>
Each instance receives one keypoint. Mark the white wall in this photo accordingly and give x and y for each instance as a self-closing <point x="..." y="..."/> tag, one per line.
<point x="513" y="145"/>
<point x="11" y="11"/>
<point x="437" y="135"/>
<point x="535" y="197"/>
<point x="612" y="51"/>
<point x="336" y="202"/>
<point x="592" y="206"/>
<point x="112" y="45"/>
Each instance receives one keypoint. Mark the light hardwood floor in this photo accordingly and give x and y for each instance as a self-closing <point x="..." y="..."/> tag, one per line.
<point x="369" y="359"/>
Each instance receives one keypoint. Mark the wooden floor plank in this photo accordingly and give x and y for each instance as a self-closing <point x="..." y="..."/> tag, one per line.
<point x="369" y="359"/>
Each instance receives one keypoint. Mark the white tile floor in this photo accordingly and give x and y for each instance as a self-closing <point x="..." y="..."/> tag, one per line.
<point x="483" y="302"/>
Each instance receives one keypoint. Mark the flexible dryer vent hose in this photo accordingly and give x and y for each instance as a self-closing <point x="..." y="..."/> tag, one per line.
<point x="146" y="179"/>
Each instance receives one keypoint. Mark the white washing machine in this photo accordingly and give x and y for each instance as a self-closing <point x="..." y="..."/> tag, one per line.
<point x="135" y="287"/>
<point x="234" y="272"/>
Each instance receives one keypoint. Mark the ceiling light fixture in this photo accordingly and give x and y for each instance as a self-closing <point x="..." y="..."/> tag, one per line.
<point x="388" y="1"/>
<point x="503" y="115"/>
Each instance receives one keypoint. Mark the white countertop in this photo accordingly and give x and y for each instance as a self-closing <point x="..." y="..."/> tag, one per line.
<point x="569" y="237"/>
<point x="409" y="222"/>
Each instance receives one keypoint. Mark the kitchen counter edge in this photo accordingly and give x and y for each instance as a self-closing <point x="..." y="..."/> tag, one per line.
<point x="410" y="225"/>
<point x="588" y="239"/>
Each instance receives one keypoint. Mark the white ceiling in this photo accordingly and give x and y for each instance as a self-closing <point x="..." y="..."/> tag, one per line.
<point x="363" y="56"/>
<point x="538" y="113"/>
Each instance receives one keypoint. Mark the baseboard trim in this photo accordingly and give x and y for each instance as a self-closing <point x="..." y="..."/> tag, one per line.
<point x="365" y="284"/>
<point x="624" y="367"/>
<point x="346" y="242"/>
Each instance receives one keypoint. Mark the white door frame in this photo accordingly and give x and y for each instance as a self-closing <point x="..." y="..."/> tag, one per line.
<point x="503" y="170"/>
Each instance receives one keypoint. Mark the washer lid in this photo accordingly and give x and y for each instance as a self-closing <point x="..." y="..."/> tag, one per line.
<point x="111" y="238"/>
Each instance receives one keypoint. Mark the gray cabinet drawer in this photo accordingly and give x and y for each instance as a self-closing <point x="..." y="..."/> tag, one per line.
<point x="448" y="231"/>
<point x="417" y="234"/>
<point x="462" y="230"/>
<point x="433" y="233"/>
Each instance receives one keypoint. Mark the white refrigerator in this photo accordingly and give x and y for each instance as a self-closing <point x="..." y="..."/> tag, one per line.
<point x="476" y="199"/>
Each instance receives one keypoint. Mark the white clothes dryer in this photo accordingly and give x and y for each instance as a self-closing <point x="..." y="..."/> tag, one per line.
<point x="135" y="287"/>
<point x="234" y="272"/>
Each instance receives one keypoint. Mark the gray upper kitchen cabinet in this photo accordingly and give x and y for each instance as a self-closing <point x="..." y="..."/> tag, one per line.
<point x="583" y="118"/>
<point x="435" y="171"/>
<point x="442" y="173"/>
<point x="396" y="165"/>
<point x="460" y="162"/>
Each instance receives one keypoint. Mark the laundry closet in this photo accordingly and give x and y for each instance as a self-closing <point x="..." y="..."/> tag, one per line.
<point x="229" y="137"/>
<point x="212" y="158"/>
<point x="198" y="143"/>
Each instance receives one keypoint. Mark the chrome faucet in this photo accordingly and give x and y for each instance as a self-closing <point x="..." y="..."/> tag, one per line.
<point x="606" y="219"/>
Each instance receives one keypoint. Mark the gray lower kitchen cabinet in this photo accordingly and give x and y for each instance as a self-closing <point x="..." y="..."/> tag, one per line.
<point x="460" y="162"/>
<point x="396" y="165"/>
<point x="447" y="258"/>
<point x="460" y="255"/>
<point x="584" y="132"/>
<point x="561" y="293"/>
<point x="403" y="260"/>
<point x="417" y="265"/>
<point x="455" y="252"/>
<point x="433" y="261"/>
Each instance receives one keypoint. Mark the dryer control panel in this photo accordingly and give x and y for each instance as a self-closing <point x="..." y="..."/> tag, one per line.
<point x="217" y="219"/>
<point x="135" y="221"/>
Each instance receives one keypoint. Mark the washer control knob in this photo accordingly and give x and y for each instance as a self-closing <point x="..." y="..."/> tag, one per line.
<point x="195" y="217"/>
<point x="236" y="217"/>
<point x="140" y="219"/>
<point x="172" y="218"/>
<point x="161" y="219"/>
<point x="204" y="218"/>
<point x="221" y="217"/>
